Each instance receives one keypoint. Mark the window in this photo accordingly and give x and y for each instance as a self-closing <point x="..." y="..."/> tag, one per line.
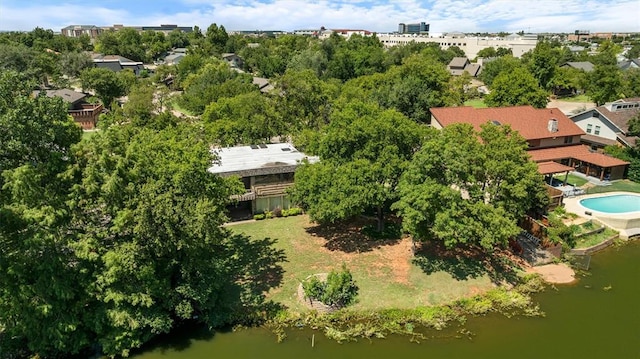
<point x="589" y="127"/>
<point x="568" y="139"/>
<point x="597" y="131"/>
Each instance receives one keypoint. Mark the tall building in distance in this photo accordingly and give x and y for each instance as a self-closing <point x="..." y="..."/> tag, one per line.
<point x="421" y="28"/>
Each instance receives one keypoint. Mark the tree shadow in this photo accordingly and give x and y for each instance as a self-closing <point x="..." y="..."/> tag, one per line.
<point x="466" y="263"/>
<point x="347" y="236"/>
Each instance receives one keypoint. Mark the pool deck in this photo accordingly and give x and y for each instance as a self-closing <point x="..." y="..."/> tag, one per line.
<point x="628" y="224"/>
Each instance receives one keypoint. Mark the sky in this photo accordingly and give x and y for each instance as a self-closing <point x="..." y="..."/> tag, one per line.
<point x="287" y="15"/>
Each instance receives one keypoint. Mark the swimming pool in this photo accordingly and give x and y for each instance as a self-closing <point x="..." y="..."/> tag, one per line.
<point x="620" y="203"/>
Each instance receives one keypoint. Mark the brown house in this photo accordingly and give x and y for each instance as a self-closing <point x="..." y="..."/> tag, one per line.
<point x="83" y="113"/>
<point x="554" y="140"/>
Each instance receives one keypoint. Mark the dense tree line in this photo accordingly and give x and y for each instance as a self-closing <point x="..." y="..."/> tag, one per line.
<point x="108" y="242"/>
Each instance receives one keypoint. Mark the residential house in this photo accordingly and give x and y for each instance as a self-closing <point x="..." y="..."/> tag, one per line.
<point x="235" y="61"/>
<point x="459" y="65"/>
<point x="629" y="64"/>
<point x="266" y="171"/>
<point x="117" y="63"/>
<point x="263" y="84"/>
<point x="609" y="124"/>
<point x="585" y="66"/>
<point x="83" y="113"/>
<point x="174" y="59"/>
<point x="554" y="140"/>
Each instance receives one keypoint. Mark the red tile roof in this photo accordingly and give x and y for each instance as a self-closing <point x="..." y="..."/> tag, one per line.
<point x="578" y="152"/>
<point x="531" y="123"/>
<point x="550" y="167"/>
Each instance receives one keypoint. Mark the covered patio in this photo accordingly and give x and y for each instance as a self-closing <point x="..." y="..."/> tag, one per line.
<point x="580" y="159"/>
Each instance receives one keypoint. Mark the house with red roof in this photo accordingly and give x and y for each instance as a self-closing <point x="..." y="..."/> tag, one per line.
<point x="554" y="140"/>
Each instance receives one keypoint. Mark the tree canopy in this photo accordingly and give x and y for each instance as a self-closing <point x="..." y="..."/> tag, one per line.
<point x="469" y="188"/>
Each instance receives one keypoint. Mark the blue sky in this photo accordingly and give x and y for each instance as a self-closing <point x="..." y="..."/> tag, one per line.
<point x="374" y="15"/>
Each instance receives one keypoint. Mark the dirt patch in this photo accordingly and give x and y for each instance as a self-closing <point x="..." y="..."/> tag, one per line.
<point x="555" y="273"/>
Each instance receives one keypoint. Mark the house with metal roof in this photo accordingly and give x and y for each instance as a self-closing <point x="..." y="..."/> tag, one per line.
<point x="266" y="170"/>
<point x="553" y="138"/>
<point x="117" y="63"/>
<point x="608" y="124"/>
<point x="585" y="66"/>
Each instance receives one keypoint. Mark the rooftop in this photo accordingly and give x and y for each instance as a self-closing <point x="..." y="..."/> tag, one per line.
<point x="68" y="95"/>
<point x="258" y="159"/>
<point x="578" y="152"/>
<point x="531" y="123"/>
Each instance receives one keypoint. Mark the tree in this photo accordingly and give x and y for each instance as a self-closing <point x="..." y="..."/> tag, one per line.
<point x="487" y="52"/>
<point x="515" y="88"/>
<point x="363" y="152"/>
<point x="543" y="63"/>
<point x="469" y="188"/>
<point x="73" y="63"/>
<point x="106" y="84"/>
<point x="500" y="65"/>
<point x="42" y="301"/>
<point x="212" y="82"/>
<point x="246" y="118"/>
<point x="217" y="38"/>
<point x="605" y="84"/>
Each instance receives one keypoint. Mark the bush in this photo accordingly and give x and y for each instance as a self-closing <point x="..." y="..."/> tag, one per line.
<point x="340" y="290"/>
<point x="268" y="214"/>
<point x="259" y="217"/>
<point x="277" y="212"/>
<point x="294" y="211"/>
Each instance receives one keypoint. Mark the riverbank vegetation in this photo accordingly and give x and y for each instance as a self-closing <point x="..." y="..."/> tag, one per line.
<point x="348" y="325"/>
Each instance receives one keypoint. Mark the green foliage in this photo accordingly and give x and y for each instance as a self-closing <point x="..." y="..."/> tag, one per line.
<point x="339" y="290"/>
<point x="631" y="155"/>
<point x="245" y="118"/>
<point x="469" y="188"/>
<point x="106" y="84"/>
<point x="211" y="83"/>
<point x="492" y="69"/>
<point x="517" y="87"/>
<point x="364" y="151"/>
<point x="605" y="84"/>
<point x="259" y="216"/>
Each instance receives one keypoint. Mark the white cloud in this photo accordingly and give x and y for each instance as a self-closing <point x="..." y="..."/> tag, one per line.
<point x="375" y="15"/>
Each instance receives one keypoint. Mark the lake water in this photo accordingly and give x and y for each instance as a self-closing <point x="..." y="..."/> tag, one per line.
<point x="598" y="317"/>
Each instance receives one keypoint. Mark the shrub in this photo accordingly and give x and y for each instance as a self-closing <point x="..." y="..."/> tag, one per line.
<point x="313" y="288"/>
<point x="294" y="211"/>
<point x="259" y="217"/>
<point x="285" y="213"/>
<point x="268" y="214"/>
<point x="340" y="290"/>
<point x="277" y="212"/>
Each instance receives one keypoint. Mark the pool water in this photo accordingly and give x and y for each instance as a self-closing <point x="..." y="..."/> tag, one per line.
<point x="621" y="203"/>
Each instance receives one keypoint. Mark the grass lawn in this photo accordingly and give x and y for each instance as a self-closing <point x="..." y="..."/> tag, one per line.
<point x="88" y="134"/>
<point x="476" y="102"/>
<point x="176" y="106"/>
<point x="622" y="185"/>
<point x="593" y="239"/>
<point x="572" y="179"/>
<point x="383" y="270"/>
<point x="578" y="98"/>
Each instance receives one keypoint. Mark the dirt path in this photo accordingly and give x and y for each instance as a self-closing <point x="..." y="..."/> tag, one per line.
<point x="555" y="273"/>
<point x="570" y="108"/>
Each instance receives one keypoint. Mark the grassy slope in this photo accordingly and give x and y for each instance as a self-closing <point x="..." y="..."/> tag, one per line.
<point x="385" y="274"/>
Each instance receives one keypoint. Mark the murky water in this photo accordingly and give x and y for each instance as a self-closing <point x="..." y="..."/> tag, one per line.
<point x="598" y="317"/>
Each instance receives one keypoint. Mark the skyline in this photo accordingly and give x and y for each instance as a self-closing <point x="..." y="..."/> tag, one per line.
<point x="287" y="15"/>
